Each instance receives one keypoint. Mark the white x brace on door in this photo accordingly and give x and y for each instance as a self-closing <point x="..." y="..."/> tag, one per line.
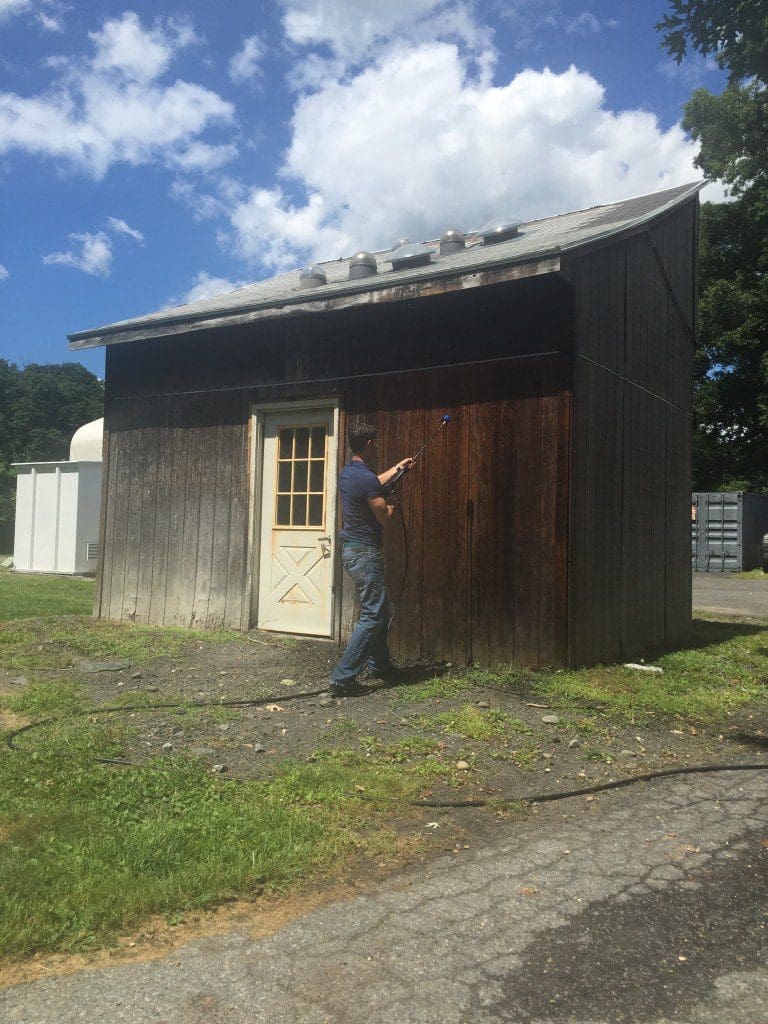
<point x="297" y="520"/>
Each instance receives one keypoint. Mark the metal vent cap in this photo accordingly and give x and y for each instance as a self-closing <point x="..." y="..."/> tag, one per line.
<point x="452" y="240"/>
<point x="413" y="254"/>
<point x="362" y="264"/>
<point x="500" y="230"/>
<point x="312" y="276"/>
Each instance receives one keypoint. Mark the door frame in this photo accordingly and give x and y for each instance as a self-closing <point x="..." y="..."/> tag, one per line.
<point x="256" y="418"/>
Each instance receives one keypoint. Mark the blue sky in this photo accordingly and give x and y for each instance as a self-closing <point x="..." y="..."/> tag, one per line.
<point x="152" y="153"/>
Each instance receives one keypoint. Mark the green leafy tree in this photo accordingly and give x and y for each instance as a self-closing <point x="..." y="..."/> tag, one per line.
<point x="731" y="383"/>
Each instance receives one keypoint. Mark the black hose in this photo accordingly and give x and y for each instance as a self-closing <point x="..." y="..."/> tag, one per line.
<point x="406" y="557"/>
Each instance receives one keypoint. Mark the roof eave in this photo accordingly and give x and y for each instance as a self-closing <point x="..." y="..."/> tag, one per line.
<point x="306" y="303"/>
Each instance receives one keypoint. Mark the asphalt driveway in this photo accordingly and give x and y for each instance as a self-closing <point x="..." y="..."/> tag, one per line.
<point x="716" y="593"/>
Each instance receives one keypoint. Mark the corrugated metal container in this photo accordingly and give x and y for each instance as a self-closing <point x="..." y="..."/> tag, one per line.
<point x="727" y="529"/>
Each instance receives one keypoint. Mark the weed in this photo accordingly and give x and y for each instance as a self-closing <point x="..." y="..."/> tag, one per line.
<point x="477" y="724"/>
<point x="439" y="687"/>
<point x="343" y="727"/>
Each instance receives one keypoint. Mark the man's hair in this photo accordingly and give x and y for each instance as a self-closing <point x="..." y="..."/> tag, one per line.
<point x="358" y="436"/>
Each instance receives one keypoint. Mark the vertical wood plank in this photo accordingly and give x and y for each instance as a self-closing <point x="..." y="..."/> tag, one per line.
<point x="149" y="470"/>
<point x="162" y="525"/>
<point x="238" y="533"/>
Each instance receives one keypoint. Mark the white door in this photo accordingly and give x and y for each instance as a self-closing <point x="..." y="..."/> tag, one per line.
<point x="297" y="521"/>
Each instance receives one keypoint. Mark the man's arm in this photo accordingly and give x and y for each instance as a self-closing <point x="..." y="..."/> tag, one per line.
<point x="381" y="509"/>
<point x="387" y="475"/>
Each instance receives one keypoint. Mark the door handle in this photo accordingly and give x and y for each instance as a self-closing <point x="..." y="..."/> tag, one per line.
<point x="325" y="545"/>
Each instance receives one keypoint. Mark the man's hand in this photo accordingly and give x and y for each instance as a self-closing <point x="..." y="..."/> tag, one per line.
<point x="387" y="475"/>
<point x="390" y="511"/>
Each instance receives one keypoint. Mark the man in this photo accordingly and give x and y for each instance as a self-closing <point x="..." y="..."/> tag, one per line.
<point x="365" y="513"/>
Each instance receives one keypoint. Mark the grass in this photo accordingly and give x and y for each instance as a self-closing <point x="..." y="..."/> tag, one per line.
<point x="23" y="596"/>
<point x="723" y="668"/>
<point x="436" y="688"/>
<point x="476" y="724"/>
<point x="55" y="642"/>
<point x="89" y="850"/>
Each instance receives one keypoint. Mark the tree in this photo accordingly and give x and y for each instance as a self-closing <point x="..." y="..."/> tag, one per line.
<point x="731" y="383"/>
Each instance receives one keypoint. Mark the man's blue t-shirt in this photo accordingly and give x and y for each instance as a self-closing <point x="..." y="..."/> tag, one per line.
<point x="356" y="485"/>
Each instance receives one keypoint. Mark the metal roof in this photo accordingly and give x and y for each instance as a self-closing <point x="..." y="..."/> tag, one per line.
<point x="537" y="240"/>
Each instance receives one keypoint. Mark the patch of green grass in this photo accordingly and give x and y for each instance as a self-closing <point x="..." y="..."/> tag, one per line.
<point x="343" y="727"/>
<point x="61" y="642"/>
<point x="439" y="687"/>
<point x="476" y="723"/>
<point x="31" y="594"/>
<point x="725" y="667"/>
<point x="751" y="574"/>
<point x="88" y="850"/>
<point x="42" y="698"/>
<point x="598" y="754"/>
<point x="406" y="749"/>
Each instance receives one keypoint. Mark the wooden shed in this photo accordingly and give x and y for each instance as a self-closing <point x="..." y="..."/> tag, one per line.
<point x="549" y="523"/>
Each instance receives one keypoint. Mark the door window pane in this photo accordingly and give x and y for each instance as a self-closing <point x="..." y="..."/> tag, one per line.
<point x="301" y="436"/>
<point x="284" y="477"/>
<point x="286" y="442"/>
<point x="283" y="510"/>
<point x="317" y="476"/>
<point x="318" y="443"/>
<point x="315" y="510"/>
<point x="300" y="476"/>
<point x="299" y="510"/>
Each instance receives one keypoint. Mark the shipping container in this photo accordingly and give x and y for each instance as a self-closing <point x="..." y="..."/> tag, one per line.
<point x="727" y="530"/>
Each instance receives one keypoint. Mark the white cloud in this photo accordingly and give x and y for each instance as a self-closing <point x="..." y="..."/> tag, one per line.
<point x="351" y="28"/>
<point x="204" y="286"/>
<point x="140" y="54"/>
<point x="50" y="22"/>
<point x="416" y="143"/>
<point x="587" y="24"/>
<point x="3" y="272"/>
<point x="245" y="64"/>
<point x="9" y="8"/>
<point x="122" y="228"/>
<point x="94" y="257"/>
<point x="47" y="12"/>
<point x="112" y="108"/>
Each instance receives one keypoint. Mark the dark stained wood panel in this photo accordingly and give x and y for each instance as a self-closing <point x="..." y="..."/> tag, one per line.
<point x="629" y="586"/>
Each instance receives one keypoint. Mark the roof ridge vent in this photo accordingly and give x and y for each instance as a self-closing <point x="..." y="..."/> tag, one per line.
<point x="452" y="240"/>
<point x="362" y="264"/>
<point x="499" y="230"/>
<point x="312" y="276"/>
<point x="412" y="254"/>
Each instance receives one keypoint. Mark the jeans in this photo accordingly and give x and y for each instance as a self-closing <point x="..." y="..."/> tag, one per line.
<point x="367" y="644"/>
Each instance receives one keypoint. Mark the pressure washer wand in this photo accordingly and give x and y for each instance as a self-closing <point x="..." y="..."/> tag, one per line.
<point x="390" y="485"/>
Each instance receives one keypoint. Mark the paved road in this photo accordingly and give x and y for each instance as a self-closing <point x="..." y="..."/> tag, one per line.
<point x="646" y="905"/>
<point x="713" y="592"/>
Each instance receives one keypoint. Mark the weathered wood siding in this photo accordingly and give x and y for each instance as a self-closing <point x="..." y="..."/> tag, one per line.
<point x="486" y="509"/>
<point x="630" y="580"/>
<point x="174" y="529"/>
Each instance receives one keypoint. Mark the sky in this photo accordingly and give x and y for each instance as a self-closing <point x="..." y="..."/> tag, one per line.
<point x="153" y="153"/>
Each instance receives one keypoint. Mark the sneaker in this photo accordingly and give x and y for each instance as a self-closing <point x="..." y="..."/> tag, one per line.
<point x="348" y="690"/>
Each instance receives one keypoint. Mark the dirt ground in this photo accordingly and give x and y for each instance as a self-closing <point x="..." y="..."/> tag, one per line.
<point x="295" y="720"/>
